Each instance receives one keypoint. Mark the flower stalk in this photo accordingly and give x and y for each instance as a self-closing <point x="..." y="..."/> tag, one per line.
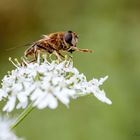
<point x="22" y="116"/>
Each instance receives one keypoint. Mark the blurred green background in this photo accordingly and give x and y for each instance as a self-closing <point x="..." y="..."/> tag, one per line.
<point x="112" y="29"/>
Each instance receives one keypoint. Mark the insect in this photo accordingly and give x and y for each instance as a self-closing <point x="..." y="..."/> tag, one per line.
<point x="55" y="43"/>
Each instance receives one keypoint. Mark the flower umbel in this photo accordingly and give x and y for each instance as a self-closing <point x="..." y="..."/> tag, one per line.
<point x="46" y="83"/>
<point x="5" y="132"/>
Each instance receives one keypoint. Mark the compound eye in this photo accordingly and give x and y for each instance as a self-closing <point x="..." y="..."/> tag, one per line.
<point x="68" y="37"/>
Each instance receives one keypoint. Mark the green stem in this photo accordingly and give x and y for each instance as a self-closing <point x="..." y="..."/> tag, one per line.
<point x="22" y="116"/>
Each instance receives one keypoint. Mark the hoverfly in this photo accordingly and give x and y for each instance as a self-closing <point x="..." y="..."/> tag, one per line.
<point x="55" y="43"/>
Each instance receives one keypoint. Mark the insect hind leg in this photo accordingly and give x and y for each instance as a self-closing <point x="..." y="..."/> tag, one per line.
<point x="31" y="51"/>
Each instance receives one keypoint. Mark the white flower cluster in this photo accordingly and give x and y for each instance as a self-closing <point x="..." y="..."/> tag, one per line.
<point x="5" y="132"/>
<point x="45" y="83"/>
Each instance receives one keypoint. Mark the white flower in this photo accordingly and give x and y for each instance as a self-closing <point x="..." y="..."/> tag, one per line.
<point x="46" y="83"/>
<point x="5" y="132"/>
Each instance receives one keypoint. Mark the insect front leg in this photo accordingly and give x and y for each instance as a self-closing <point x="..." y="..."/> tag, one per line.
<point x="85" y="50"/>
<point x="81" y="50"/>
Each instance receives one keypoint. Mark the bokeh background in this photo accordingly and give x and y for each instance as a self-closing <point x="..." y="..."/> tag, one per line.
<point x="112" y="29"/>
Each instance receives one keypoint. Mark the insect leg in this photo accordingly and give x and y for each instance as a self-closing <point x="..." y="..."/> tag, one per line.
<point x="31" y="51"/>
<point x="60" y="54"/>
<point x="81" y="50"/>
<point x="57" y="54"/>
<point x="35" y="54"/>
